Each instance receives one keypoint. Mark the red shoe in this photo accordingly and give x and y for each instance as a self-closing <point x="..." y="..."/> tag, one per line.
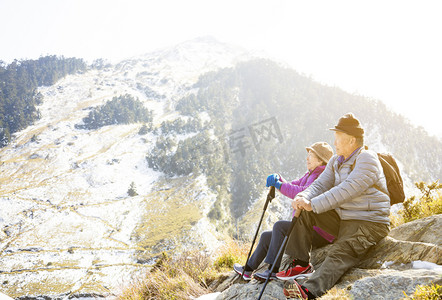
<point x="295" y="272"/>
<point x="292" y="289"/>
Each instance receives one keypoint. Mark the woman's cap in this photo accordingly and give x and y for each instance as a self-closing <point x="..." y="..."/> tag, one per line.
<point x="322" y="150"/>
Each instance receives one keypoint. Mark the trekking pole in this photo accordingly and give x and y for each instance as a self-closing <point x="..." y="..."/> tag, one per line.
<point x="281" y="249"/>
<point x="270" y="196"/>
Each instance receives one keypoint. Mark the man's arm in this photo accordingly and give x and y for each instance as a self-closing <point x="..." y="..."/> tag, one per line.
<point x="363" y="176"/>
<point x="323" y="183"/>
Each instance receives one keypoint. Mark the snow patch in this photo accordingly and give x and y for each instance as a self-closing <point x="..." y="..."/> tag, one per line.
<point x="5" y="297"/>
<point x="418" y="264"/>
<point x="387" y="264"/>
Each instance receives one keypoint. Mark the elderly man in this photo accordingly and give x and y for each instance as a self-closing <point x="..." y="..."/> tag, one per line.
<point x="349" y="200"/>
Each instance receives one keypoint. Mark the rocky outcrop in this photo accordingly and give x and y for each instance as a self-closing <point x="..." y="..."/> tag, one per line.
<point x="392" y="284"/>
<point x="274" y="290"/>
<point x="427" y="230"/>
<point x="411" y="255"/>
<point x="403" y="252"/>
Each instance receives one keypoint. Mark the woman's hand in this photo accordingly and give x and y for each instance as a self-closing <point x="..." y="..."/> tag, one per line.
<point x="301" y="203"/>
<point x="272" y="180"/>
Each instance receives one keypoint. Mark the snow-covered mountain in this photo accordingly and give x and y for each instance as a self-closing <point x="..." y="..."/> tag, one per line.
<point x="68" y="225"/>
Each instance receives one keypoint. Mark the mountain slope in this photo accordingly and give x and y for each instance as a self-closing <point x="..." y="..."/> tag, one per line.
<point x="265" y="115"/>
<point x="221" y="123"/>
<point x="68" y="223"/>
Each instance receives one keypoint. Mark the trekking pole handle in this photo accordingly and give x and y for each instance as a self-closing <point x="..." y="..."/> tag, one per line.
<point x="270" y="197"/>
<point x="271" y="194"/>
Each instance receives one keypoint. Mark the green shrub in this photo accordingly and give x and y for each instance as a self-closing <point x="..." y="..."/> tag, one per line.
<point x="132" y="191"/>
<point x="180" y="126"/>
<point x="197" y="154"/>
<point x="145" y="129"/>
<point x="123" y="109"/>
<point x="429" y="203"/>
<point x="229" y="254"/>
<point x="216" y="212"/>
<point x="427" y="292"/>
<point x="226" y="261"/>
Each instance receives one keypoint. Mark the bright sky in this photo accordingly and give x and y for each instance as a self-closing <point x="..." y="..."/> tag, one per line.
<point x="384" y="49"/>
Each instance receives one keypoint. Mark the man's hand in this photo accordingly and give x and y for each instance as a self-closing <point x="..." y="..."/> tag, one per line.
<point x="301" y="203"/>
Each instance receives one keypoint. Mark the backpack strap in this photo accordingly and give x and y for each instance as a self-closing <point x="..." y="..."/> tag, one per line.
<point x="374" y="185"/>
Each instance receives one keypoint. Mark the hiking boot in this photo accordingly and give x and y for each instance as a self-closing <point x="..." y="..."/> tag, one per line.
<point x="238" y="269"/>
<point x="292" y="289"/>
<point x="262" y="276"/>
<point x="295" y="271"/>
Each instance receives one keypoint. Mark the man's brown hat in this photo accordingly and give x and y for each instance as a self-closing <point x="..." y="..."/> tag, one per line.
<point x="349" y="125"/>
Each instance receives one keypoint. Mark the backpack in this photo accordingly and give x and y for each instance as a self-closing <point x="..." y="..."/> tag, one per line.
<point x="395" y="184"/>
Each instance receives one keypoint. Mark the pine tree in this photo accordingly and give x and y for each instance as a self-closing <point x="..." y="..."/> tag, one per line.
<point x="144" y="129"/>
<point x="132" y="191"/>
<point x="18" y="89"/>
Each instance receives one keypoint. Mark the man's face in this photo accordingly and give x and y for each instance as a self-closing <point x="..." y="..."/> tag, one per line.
<point x="343" y="144"/>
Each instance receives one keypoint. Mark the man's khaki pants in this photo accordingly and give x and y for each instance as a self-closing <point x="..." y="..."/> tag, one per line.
<point x="354" y="239"/>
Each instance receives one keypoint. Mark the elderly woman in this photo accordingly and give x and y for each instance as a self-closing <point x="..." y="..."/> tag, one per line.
<point x="270" y="241"/>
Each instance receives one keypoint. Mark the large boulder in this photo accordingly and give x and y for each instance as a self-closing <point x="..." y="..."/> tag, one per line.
<point x="251" y="291"/>
<point x="404" y="252"/>
<point x="415" y="241"/>
<point x="411" y="255"/>
<point x="427" y="230"/>
<point x="392" y="284"/>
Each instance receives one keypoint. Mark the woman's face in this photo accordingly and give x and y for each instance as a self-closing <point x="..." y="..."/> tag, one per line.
<point x="313" y="161"/>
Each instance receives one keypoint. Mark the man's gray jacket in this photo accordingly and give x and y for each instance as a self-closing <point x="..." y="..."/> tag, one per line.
<point x="357" y="189"/>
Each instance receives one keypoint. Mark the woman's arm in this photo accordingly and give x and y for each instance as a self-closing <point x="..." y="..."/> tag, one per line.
<point x="292" y="189"/>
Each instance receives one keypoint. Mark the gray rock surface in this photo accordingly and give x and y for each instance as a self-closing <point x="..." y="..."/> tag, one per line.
<point x="392" y="284"/>
<point x="390" y="249"/>
<point x="427" y="230"/>
<point x="251" y="291"/>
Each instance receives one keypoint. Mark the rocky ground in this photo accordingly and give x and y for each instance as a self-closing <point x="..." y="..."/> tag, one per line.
<point x="411" y="255"/>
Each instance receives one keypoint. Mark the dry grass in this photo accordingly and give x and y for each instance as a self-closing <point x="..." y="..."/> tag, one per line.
<point x="188" y="275"/>
<point x="179" y="278"/>
<point x="232" y="252"/>
<point x="336" y="294"/>
<point x="166" y="216"/>
<point x="161" y="285"/>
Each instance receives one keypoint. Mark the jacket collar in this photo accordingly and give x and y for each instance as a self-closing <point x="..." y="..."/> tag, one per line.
<point x="318" y="169"/>
<point x="341" y="159"/>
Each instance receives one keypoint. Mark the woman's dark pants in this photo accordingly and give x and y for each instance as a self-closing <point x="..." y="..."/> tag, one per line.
<point x="271" y="241"/>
